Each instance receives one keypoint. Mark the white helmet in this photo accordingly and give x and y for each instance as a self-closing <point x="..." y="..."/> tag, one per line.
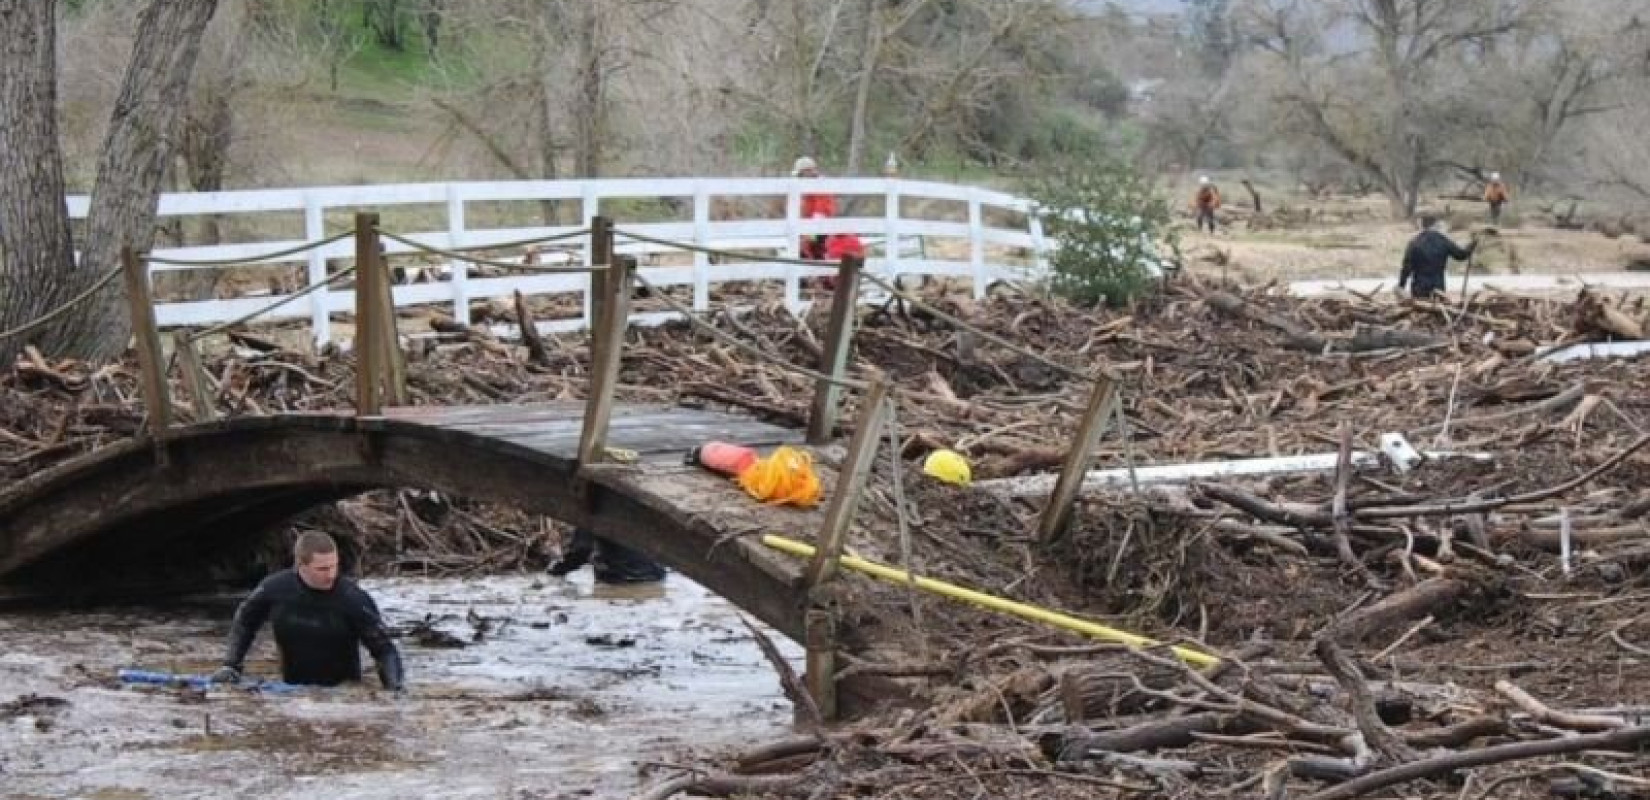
<point x="1203" y="180"/>
<point x="802" y="164"/>
<point x="1495" y="176"/>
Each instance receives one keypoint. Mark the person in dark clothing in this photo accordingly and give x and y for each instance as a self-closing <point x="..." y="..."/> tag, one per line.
<point x="320" y="620"/>
<point x="1426" y="258"/>
<point x="614" y="563"/>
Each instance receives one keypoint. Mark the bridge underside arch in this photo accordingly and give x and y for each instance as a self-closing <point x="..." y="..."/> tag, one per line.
<point x="222" y="482"/>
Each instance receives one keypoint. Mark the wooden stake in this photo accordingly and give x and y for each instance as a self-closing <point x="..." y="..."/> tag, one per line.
<point x="605" y="361"/>
<point x="601" y="254"/>
<point x="838" y="342"/>
<point x="856" y="469"/>
<point x="157" y="397"/>
<point x="1057" y="515"/>
<point x="194" y="376"/>
<point x="368" y="400"/>
<point x="393" y="359"/>
<point x="820" y="675"/>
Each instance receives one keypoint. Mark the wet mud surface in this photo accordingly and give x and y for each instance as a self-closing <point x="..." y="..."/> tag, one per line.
<point x="520" y="687"/>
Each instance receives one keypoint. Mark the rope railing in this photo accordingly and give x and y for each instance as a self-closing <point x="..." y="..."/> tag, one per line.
<point x="488" y="262"/>
<point x="712" y="251"/>
<point x="237" y="262"/>
<point x="721" y="335"/>
<point x="66" y="307"/>
<point x="555" y="237"/>
<point x="975" y="329"/>
<point x="245" y="318"/>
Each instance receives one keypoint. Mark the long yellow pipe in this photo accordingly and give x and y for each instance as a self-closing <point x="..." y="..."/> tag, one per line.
<point x="1022" y="610"/>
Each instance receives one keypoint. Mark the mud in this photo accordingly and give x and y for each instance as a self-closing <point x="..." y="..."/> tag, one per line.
<point x="561" y="689"/>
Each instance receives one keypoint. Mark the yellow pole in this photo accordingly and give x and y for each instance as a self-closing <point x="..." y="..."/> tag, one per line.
<point x="1022" y="610"/>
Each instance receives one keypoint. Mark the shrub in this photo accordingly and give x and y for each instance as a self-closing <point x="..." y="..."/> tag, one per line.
<point x="1111" y="224"/>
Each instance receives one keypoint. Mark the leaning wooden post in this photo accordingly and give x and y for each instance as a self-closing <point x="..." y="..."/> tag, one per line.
<point x="856" y="470"/>
<point x="607" y="353"/>
<point x="368" y="387"/>
<point x="392" y="358"/>
<point x="194" y="376"/>
<point x="820" y="619"/>
<point x="838" y="344"/>
<point x="157" y="396"/>
<point x="1057" y="515"/>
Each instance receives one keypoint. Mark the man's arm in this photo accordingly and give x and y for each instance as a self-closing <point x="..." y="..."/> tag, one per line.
<point x="1409" y="266"/>
<point x="369" y="628"/>
<point x="249" y="617"/>
<point x="1458" y="252"/>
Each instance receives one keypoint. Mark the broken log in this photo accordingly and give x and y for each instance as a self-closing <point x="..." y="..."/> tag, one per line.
<point x="1427" y="597"/>
<point x="1362" y="340"/>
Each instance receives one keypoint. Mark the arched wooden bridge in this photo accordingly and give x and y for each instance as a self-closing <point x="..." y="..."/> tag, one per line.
<point x="204" y="483"/>
<point x="223" y="478"/>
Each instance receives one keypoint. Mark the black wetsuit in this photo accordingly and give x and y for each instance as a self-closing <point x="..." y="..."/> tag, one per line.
<point x="1425" y="259"/>
<point x="319" y="633"/>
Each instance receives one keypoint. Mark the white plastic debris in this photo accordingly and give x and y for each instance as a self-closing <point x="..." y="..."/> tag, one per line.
<point x="1398" y="451"/>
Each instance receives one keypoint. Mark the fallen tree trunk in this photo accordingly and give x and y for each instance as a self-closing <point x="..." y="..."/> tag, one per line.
<point x="1296" y="337"/>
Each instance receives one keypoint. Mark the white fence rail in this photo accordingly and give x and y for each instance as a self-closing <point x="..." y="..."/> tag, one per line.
<point x="1511" y="284"/>
<point x="992" y="235"/>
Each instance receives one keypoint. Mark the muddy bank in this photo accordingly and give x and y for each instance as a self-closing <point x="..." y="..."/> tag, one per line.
<point x="521" y="688"/>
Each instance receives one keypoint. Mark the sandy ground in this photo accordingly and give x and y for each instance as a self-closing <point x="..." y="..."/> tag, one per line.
<point x="571" y="691"/>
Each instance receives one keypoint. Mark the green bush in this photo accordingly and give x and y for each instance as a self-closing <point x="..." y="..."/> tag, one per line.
<point x="1112" y="227"/>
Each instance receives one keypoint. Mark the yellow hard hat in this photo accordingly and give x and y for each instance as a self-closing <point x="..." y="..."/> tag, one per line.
<point x="948" y="466"/>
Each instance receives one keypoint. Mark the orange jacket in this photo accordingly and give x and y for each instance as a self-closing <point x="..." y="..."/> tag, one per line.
<point x="1495" y="192"/>
<point x="1207" y="197"/>
<point x="818" y="205"/>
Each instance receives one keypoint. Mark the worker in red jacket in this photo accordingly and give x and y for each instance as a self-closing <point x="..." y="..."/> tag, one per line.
<point x="814" y="206"/>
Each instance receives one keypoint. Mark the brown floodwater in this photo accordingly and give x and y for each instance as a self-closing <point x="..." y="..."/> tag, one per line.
<point x="560" y="689"/>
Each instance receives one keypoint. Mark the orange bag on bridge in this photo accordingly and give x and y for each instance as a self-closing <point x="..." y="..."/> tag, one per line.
<point x="786" y="478"/>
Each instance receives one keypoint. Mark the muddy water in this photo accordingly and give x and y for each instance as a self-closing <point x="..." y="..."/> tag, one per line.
<point x="561" y="689"/>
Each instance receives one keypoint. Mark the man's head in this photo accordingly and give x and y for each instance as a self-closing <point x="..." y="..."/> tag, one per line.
<point x="1427" y="220"/>
<point x="805" y="167"/>
<point x="315" y="555"/>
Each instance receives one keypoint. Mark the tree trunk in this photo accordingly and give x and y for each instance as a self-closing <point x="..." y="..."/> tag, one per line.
<point x="36" y="247"/>
<point x="862" y="93"/>
<point x="591" y="108"/>
<point x="142" y="131"/>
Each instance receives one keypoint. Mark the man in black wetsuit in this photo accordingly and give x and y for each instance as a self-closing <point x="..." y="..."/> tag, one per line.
<point x="614" y="563"/>
<point x="320" y="619"/>
<point x="1427" y="256"/>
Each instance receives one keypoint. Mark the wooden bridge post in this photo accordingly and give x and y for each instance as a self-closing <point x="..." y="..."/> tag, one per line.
<point x="194" y="376"/>
<point x="856" y="470"/>
<point x="821" y="616"/>
<point x="368" y="387"/>
<point x="1057" y="515"/>
<point x="601" y="254"/>
<point x="606" y="353"/>
<point x="393" y="360"/>
<point x="839" y="341"/>
<point x="157" y="396"/>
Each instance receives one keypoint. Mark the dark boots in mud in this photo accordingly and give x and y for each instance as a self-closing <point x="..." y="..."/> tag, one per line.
<point x="614" y="563"/>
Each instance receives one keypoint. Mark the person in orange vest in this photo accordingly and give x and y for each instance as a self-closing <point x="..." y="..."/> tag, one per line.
<point x="1205" y="203"/>
<point x="1495" y="193"/>
<point x="814" y="206"/>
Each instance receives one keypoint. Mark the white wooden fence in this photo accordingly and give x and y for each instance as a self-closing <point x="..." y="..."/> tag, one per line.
<point x="985" y="227"/>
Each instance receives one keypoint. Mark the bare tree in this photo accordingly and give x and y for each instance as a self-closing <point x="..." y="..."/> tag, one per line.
<point x="132" y="162"/>
<point x="36" y="248"/>
<point x="1381" y="100"/>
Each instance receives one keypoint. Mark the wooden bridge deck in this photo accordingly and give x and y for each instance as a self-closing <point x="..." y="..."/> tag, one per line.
<point x="656" y="433"/>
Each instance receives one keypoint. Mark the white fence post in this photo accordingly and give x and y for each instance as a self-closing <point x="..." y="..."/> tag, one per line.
<point x="976" y="244"/>
<point x="1039" y="244"/>
<point x="793" y="215"/>
<point x="890" y="245"/>
<point x="315" y="228"/>
<point x="458" y="271"/>
<point x="701" y="237"/>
